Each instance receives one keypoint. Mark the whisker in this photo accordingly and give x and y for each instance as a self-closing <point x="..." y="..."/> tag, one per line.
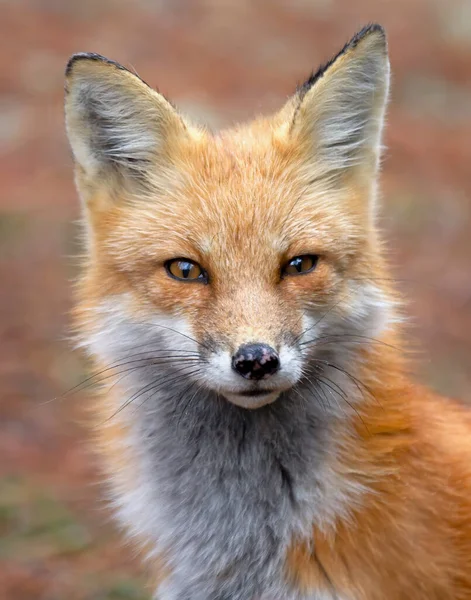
<point x="161" y="378"/>
<point x="132" y="369"/>
<point x="188" y="337"/>
<point x="321" y="318"/>
<point x="358" y="383"/>
<point x="188" y="403"/>
<point x="323" y="381"/>
<point x="147" y="396"/>
<point x="152" y="386"/>
<point x="335" y="337"/>
<point x="317" y="391"/>
<point x="338" y="389"/>
<point x="316" y="388"/>
<point x="89" y="381"/>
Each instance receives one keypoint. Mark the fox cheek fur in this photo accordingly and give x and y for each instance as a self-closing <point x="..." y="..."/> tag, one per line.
<point x="260" y="434"/>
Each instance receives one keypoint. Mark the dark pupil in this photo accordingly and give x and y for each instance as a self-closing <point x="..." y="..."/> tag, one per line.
<point x="297" y="263"/>
<point x="185" y="268"/>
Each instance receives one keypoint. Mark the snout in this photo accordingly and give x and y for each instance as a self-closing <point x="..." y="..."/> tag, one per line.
<point x="255" y="374"/>
<point x="256" y="361"/>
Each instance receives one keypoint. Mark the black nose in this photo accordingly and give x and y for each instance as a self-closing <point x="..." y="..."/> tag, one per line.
<point x="255" y="361"/>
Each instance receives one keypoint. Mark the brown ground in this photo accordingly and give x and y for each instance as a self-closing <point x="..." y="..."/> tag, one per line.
<point x="220" y="61"/>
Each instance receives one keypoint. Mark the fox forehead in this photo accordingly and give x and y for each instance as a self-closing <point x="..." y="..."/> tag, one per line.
<point x="156" y="187"/>
<point x="238" y="193"/>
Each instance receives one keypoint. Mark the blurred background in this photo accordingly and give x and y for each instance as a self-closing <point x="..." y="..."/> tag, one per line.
<point x="220" y="61"/>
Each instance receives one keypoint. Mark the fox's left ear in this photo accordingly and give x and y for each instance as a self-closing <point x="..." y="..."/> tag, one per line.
<point x="338" y="113"/>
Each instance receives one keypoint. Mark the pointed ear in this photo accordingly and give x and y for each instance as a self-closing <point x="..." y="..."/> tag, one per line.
<point x="339" y="111"/>
<point x="116" y="124"/>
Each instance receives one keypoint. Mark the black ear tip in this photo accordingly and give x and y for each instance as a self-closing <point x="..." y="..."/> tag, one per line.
<point x="89" y="56"/>
<point x="372" y="28"/>
<point x="366" y="31"/>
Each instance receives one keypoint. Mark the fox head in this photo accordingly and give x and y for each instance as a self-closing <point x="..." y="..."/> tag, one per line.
<point x="236" y="259"/>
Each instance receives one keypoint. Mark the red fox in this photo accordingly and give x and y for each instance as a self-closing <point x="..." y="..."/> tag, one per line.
<point x="256" y="419"/>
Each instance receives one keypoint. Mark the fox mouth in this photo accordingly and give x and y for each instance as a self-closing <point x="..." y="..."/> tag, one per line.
<point x="255" y="393"/>
<point x="252" y="399"/>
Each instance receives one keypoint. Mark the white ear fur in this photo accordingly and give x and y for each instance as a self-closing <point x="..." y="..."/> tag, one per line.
<point x="340" y="113"/>
<point x="114" y="120"/>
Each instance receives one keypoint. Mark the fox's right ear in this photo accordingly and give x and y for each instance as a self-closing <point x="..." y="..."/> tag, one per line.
<point x="117" y="124"/>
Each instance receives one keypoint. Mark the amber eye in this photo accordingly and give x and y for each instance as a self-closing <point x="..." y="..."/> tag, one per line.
<point x="299" y="265"/>
<point x="184" y="269"/>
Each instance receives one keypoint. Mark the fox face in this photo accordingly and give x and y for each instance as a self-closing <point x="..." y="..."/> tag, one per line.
<point x="241" y="260"/>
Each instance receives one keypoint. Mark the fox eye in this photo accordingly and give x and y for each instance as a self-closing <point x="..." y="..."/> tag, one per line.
<point x="299" y="265"/>
<point x="184" y="269"/>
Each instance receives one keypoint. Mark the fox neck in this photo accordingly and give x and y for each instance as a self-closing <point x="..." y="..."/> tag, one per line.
<point x="206" y="483"/>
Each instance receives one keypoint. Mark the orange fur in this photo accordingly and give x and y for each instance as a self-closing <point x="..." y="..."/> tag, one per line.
<point x="410" y="536"/>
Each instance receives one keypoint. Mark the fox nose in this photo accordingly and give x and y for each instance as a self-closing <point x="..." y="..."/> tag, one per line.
<point x="256" y="361"/>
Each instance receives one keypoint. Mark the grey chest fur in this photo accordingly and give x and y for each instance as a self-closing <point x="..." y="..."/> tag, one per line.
<point x="225" y="490"/>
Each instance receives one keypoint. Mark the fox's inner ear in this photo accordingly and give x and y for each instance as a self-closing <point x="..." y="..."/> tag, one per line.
<point x="340" y="109"/>
<point x="115" y="122"/>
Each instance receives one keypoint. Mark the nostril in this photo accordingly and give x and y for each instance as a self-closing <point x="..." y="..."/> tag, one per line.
<point x="256" y="361"/>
